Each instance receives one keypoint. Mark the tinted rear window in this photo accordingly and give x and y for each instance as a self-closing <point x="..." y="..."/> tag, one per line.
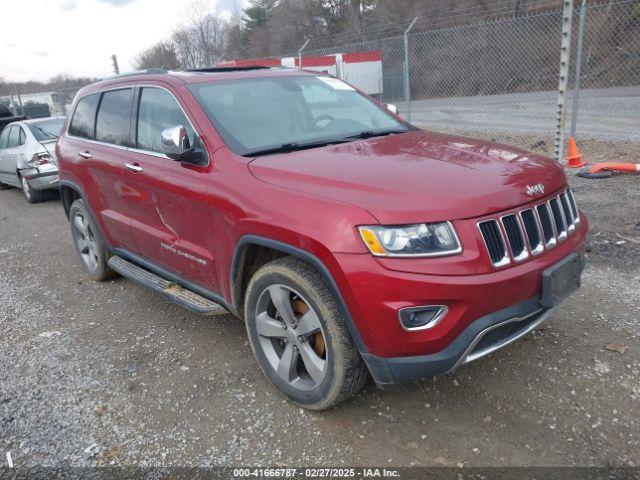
<point x="47" y="130"/>
<point x="83" y="121"/>
<point x="114" y="117"/>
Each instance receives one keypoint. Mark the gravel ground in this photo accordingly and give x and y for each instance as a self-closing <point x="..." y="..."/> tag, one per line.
<point x="100" y="374"/>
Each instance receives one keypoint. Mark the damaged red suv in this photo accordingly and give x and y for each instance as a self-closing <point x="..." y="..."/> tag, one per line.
<point x="350" y="242"/>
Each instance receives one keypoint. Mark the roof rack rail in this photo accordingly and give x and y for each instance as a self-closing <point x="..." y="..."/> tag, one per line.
<point x="228" y="69"/>
<point x="148" y="71"/>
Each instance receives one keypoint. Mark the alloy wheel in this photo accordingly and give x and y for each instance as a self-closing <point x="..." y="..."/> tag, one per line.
<point x="291" y="337"/>
<point x="85" y="241"/>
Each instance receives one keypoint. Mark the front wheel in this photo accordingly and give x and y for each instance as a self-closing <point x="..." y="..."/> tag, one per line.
<point x="91" y="248"/>
<point x="298" y="335"/>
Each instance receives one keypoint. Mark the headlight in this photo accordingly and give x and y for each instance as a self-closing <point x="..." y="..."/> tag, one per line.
<point x="422" y="240"/>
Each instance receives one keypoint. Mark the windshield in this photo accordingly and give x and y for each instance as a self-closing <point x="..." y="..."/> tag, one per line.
<point x="270" y="115"/>
<point x="46" y="130"/>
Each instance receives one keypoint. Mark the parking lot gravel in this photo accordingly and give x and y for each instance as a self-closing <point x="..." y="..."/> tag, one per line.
<point x="111" y="374"/>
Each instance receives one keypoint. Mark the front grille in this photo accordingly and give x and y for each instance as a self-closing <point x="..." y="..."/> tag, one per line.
<point x="530" y="231"/>
<point x="561" y="230"/>
<point x="494" y="242"/>
<point x="568" y="214"/>
<point x="574" y="207"/>
<point x="516" y="238"/>
<point x="547" y="226"/>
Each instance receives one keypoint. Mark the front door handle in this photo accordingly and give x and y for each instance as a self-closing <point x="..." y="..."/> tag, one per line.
<point x="133" y="167"/>
<point x="85" y="154"/>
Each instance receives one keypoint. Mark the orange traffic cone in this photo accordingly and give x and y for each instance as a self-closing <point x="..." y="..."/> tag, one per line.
<point x="574" y="158"/>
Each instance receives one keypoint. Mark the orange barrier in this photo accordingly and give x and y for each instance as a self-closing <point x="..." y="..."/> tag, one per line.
<point x="616" y="167"/>
<point x="606" y="169"/>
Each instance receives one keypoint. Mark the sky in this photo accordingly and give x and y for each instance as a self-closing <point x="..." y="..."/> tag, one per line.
<point x="43" y="38"/>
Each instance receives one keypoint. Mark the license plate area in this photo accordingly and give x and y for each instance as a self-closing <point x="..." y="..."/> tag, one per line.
<point x="560" y="281"/>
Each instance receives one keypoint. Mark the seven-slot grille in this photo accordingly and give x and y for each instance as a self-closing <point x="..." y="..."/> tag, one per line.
<point x="530" y="231"/>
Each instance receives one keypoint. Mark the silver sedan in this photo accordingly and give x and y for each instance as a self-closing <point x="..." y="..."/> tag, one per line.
<point x="27" y="156"/>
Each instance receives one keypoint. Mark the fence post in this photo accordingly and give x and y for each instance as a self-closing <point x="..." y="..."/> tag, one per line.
<point x="407" y="87"/>
<point x="576" y="80"/>
<point x="563" y="81"/>
<point x="300" y="53"/>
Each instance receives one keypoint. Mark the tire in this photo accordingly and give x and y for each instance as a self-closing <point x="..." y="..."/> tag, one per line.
<point x="88" y="243"/>
<point x="32" y="195"/>
<point x="314" y="370"/>
<point x="4" y="186"/>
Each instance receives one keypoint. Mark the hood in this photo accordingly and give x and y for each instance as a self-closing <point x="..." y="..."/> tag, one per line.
<point x="417" y="176"/>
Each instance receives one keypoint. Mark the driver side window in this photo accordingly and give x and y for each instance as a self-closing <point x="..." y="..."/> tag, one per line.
<point x="157" y="111"/>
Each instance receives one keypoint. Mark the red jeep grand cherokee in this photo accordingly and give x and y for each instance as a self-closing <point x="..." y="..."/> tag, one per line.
<point x="351" y="242"/>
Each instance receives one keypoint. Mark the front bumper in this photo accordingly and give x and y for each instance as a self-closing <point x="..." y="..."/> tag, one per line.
<point x="482" y="337"/>
<point x="485" y="335"/>
<point x="485" y="311"/>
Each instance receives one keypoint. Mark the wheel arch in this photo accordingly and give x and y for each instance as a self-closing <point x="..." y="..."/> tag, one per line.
<point x="69" y="193"/>
<point x="253" y="251"/>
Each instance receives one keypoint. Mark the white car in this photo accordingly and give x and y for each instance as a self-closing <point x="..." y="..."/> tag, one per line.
<point x="27" y="156"/>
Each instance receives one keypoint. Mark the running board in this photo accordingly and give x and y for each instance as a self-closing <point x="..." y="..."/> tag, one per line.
<point x="173" y="291"/>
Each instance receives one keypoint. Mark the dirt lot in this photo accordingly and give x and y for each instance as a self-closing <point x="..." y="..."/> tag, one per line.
<point x="95" y="374"/>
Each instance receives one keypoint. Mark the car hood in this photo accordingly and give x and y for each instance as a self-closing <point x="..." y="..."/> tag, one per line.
<point x="417" y="176"/>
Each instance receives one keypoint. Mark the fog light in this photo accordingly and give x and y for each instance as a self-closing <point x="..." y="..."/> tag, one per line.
<point x="421" y="318"/>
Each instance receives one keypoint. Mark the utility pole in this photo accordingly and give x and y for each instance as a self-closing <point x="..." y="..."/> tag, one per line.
<point x="576" y="79"/>
<point x="114" y="61"/>
<point x="304" y="45"/>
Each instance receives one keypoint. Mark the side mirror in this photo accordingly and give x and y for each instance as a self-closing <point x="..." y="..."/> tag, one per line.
<point x="176" y="146"/>
<point x="392" y="108"/>
<point x="175" y="143"/>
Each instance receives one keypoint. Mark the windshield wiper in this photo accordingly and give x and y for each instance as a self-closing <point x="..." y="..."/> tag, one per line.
<point x="294" y="146"/>
<point x="374" y="133"/>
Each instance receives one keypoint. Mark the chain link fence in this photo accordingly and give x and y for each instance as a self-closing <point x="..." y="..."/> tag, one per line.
<point x="500" y="75"/>
<point x="609" y="80"/>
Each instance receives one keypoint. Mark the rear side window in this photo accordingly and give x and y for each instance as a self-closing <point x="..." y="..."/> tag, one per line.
<point x="23" y="137"/>
<point x="84" y="117"/>
<point x="4" y="138"/>
<point x="158" y="110"/>
<point x="14" y="136"/>
<point x="114" y="117"/>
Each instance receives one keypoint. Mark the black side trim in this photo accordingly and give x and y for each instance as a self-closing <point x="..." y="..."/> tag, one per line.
<point x="165" y="287"/>
<point x="164" y="273"/>
<point x="309" y="258"/>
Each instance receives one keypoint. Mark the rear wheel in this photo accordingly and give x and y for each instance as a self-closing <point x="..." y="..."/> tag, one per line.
<point x="91" y="248"/>
<point x="32" y="195"/>
<point x="299" y="337"/>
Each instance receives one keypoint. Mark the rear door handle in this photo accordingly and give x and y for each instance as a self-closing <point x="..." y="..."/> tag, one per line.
<point x="133" y="167"/>
<point x="85" y="154"/>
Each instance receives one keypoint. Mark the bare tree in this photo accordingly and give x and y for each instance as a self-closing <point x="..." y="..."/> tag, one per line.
<point x="202" y="40"/>
<point x="160" y="55"/>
